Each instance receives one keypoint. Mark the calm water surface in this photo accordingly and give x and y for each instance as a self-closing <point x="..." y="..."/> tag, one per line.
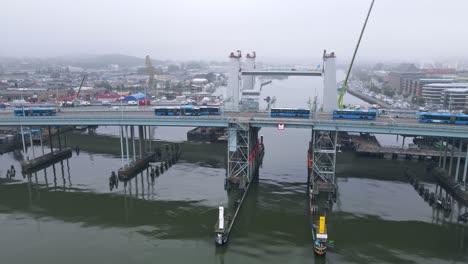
<point x="66" y="213"/>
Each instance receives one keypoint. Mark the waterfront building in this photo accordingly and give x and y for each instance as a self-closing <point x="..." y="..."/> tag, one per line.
<point x="455" y="98"/>
<point x="432" y="92"/>
<point x="404" y="71"/>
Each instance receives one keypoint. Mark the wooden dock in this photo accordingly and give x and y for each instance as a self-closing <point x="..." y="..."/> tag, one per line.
<point x="449" y="183"/>
<point x="133" y="168"/>
<point x="29" y="166"/>
<point x="368" y="145"/>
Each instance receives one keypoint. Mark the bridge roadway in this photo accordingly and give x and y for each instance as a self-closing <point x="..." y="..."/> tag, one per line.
<point x="323" y="121"/>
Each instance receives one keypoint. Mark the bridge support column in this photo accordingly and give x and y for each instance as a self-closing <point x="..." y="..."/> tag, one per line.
<point x="238" y="154"/>
<point x="31" y="142"/>
<point x="132" y="135"/>
<point x="445" y="152"/>
<point x="140" y="141"/>
<point x="50" y="140"/>
<point x="42" y="143"/>
<point x="24" y="143"/>
<point x="59" y="141"/>
<point x="126" y="144"/>
<point x="458" y="161"/>
<point x="150" y="137"/>
<point x="121" y="147"/>
<point x="440" y="154"/>
<point x="323" y="158"/>
<point x="466" y="165"/>
<point x="452" y="147"/>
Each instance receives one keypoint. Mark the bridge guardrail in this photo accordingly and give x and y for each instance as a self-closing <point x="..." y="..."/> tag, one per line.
<point x="390" y="126"/>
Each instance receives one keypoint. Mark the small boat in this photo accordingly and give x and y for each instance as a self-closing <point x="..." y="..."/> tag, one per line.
<point x="321" y="238"/>
<point x="320" y="248"/>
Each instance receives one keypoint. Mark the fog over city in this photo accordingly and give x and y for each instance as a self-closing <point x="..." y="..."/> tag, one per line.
<point x="398" y="30"/>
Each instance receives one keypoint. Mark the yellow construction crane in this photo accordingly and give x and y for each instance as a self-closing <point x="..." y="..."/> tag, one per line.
<point x="151" y="74"/>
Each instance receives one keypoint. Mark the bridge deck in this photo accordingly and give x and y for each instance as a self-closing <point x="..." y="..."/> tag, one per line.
<point x="283" y="73"/>
<point x="382" y="125"/>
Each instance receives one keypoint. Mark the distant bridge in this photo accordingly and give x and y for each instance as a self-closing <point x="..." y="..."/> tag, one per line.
<point x="283" y="73"/>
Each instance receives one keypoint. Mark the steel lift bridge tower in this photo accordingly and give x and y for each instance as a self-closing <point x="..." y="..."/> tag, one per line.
<point x="242" y="137"/>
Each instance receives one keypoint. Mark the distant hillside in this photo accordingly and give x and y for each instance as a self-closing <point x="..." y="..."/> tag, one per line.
<point x="101" y="61"/>
<point x="84" y="61"/>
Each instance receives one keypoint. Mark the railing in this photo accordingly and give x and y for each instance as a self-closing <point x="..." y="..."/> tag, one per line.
<point x="391" y="126"/>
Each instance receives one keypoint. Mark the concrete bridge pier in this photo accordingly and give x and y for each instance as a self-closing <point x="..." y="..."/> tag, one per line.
<point x="440" y="154"/>
<point x="452" y="147"/>
<point x="445" y="153"/>
<point x="126" y="144"/>
<point x="457" y="170"/>
<point x="465" y="167"/>
<point x="141" y="139"/>
<point x="132" y="137"/>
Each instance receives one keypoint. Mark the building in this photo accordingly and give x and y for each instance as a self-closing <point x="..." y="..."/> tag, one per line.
<point x="455" y="98"/>
<point x="439" y="71"/>
<point x="41" y="94"/>
<point x="403" y="71"/>
<point x="413" y="86"/>
<point x="432" y="92"/>
<point x="250" y="100"/>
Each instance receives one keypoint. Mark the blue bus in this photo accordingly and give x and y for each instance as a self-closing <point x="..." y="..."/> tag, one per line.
<point x="189" y="110"/>
<point x="35" y="111"/>
<point x="210" y="110"/>
<point x="166" y="111"/>
<point x="443" y="118"/>
<point x="290" y="112"/>
<point x="186" y="110"/>
<point x="354" y="114"/>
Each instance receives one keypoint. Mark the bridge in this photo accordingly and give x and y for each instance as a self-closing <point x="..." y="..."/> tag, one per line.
<point x="322" y="121"/>
<point x="282" y="73"/>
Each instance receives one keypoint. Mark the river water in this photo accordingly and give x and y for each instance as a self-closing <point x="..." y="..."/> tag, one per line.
<point x="67" y="214"/>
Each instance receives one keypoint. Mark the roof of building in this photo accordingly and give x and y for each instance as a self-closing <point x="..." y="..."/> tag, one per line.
<point x="459" y="90"/>
<point x="448" y="85"/>
<point x="435" y="80"/>
<point x="135" y="97"/>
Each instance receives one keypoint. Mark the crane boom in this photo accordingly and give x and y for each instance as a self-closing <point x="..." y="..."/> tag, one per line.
<point x="79" y="89"/>
<point x="343" y="88"/>
<point x="151" y="73"/>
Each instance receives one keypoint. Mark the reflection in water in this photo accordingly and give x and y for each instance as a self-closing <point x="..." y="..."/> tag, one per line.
<point x="272" y="223"/>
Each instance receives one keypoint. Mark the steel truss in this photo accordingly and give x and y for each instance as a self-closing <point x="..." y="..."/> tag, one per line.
<point x="324" y="145"/>
<point x="238" y="160"/>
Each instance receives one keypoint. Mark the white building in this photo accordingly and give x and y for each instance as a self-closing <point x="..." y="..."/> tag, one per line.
<point x="432" y="92"/>
<point x="454" y="98"/>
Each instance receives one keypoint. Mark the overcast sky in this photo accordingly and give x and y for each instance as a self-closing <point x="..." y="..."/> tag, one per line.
<point x="210" y="29"/>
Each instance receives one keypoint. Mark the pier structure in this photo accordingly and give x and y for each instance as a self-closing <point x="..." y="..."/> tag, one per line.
<point x="245" y="155"/>
<point x="322" y="163"/>
<point x="448" y="173"/>
<point x="450" y="156"/>
<point x="321" y="184"/>
<point x="133" y="161"/>
<point x="35" y="163"/>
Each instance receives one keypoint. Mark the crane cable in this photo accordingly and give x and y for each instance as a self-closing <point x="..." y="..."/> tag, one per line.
<point x="343" y="88"/>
